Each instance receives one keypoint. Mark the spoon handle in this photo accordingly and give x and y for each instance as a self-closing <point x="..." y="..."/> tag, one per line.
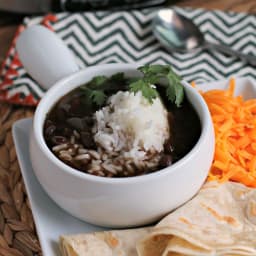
<point x="227" y="50"/>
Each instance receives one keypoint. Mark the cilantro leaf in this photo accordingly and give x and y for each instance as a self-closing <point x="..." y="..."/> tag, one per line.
<point x="175" y="90"/>
<point x="98" y="97"/>
<point x="118" y="77"/>
<point x="91" y="96"/>
<point x="162" y="75"/>
<point x="170" y="93"/>
<point x="146" y="89"/>
<point x="95" y="92"/>
<point x="97" y="81"/>
<point x="156" y="69"/>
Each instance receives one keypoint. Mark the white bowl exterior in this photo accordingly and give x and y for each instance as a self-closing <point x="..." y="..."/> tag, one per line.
<point x="119" y="202"/>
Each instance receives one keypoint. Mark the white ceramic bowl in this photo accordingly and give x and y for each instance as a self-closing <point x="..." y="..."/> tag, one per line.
<point x="118" y="202"/>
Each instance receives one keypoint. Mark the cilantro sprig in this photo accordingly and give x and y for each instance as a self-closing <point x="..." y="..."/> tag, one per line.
<point x="159" y="75"/>
<point x="147" y="90"/>
<point x="96" y="92"/>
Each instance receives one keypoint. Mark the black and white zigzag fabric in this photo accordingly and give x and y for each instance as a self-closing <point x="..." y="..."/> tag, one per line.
<point x="108" y="37"/>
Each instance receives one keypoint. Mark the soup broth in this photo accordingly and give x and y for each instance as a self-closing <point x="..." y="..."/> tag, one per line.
<point x="68" y="132"/>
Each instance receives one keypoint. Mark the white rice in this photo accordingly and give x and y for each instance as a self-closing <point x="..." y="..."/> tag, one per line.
<point x="131" y="126"/>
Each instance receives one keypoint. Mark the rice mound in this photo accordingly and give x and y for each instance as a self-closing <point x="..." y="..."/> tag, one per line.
<point x="131" y="126"/>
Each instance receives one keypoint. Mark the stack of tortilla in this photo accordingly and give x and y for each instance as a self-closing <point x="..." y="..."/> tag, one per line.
<point x="219" y="221"/>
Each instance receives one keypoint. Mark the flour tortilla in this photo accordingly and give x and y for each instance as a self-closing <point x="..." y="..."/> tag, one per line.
<point x="107" y="243"/>
<point x="219" y="221"/>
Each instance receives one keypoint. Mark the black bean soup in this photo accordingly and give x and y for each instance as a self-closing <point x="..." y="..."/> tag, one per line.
<point x="68" y="130"/>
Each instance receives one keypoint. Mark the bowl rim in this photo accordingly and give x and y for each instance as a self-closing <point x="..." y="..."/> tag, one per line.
<point x="44" y="107"/>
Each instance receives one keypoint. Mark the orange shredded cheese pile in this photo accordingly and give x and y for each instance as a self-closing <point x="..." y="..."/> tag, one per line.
<point x="234" y="122"/>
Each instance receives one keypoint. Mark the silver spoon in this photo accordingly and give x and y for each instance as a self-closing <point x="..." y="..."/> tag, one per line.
<point x="178" y="33"/>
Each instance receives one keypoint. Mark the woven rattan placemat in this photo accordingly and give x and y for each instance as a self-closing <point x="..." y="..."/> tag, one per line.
<point x="17" y="231"/>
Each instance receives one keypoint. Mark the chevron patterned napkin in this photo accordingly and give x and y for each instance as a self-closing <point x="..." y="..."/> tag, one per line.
<point x="107" y="37"/>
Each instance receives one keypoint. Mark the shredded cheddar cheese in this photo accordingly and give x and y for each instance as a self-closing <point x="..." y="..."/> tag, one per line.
<point x="234" y="122"/>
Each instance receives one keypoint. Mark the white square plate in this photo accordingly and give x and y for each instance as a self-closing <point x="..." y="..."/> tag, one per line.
<point x="50" y="220"/>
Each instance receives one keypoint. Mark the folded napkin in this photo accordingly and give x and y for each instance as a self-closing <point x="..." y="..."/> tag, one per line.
<point x="109" y="37"/>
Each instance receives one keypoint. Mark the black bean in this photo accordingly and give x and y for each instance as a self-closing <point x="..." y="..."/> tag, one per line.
<point x="168" y="147"/>
<point x="63" y="111"/>
<point x="88" y="121"/>
<point x="58" y="140"/>
<point x="49" y="131"/>
<point x="60" y="114"/>
<point x="165" y="161"/>
<point x="75" y="105"/>
<point x="59" y="128"/>
<point x="65" y="107"/>
<point x="87" y="140"/>
<point x="48" y="123"/>
<point x="67" y="131"/>
<point x="77" y="124"/>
